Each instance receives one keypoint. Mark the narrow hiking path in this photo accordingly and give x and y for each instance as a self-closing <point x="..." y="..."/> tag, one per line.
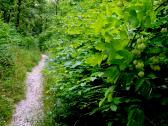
<point x="30" y="110"/>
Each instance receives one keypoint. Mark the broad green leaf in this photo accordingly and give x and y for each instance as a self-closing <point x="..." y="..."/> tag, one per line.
<point x="117" y="100"/>
<point x="135" y="117"/>
<point x="101" y="46"/>
<point x="110" y="124"/>
<point x="112" y="74"/>
<point x="83" y="84"/>
<point x="113" y="108"/>
<point x="147" y="22"/>
<point x="109" y="91"/>
<point x="139" y="83"/>
<point x="102" y="102"/>
<point x="133" y="20"/>
<point x="95" y="59"/>
<point x="110" y="97"/>
<point x="125" y="54"/>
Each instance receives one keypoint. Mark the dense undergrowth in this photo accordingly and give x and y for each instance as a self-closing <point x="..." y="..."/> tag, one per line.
<point x="18" y="54"/>
<point x="109" y="62"/>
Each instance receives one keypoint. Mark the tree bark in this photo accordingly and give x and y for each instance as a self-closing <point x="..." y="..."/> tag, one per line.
<point x="56" y="6"/>
<point x="18" y="13"/>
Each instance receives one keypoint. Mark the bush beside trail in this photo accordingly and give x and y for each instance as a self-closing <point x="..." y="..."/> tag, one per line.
<point x="18" y="55"/>
<point x="108" y="64"/>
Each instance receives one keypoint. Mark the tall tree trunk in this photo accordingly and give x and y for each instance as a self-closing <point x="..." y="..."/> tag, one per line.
<point x="8" y="16"/>
<point x="11" y="11"/>
<point x="4" y="15"/>
<point x="56" y="6"/>
<point x="18" y="13"/>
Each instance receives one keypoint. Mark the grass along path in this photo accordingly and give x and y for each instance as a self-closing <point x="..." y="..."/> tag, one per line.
<point x="30" y="111"/>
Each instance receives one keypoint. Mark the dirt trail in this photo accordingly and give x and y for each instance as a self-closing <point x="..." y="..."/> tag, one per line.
<point x="30" y="111"/>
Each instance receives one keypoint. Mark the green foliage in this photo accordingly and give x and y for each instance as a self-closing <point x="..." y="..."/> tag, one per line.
<point x="18" y="49"/>
<point x="12" y="81"/>
<point x="18" y="55"/>
<point x="26" y="15"/>
<point x="108" y="63"/>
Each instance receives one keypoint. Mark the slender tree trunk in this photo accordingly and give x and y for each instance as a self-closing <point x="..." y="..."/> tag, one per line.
<point x="56" y="6"/>
<point x="56" y="9"/>
<point x="18" y="13"/>
<point x="4" y="15"/>
<point x="11" y="11"/>
<point x="8" y="16"/>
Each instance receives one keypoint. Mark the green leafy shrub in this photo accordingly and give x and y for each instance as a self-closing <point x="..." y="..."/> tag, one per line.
<point x="108" y="64"/>
<point x="15" y="60"/>
<point x="42" y="43"/>
<point x="6" y="58"/>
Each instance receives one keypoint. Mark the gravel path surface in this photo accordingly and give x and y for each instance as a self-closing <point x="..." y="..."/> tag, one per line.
<point x="30" y="111"/>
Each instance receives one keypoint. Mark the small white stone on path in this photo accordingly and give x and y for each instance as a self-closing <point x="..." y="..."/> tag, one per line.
<point x="30" y="111"/>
